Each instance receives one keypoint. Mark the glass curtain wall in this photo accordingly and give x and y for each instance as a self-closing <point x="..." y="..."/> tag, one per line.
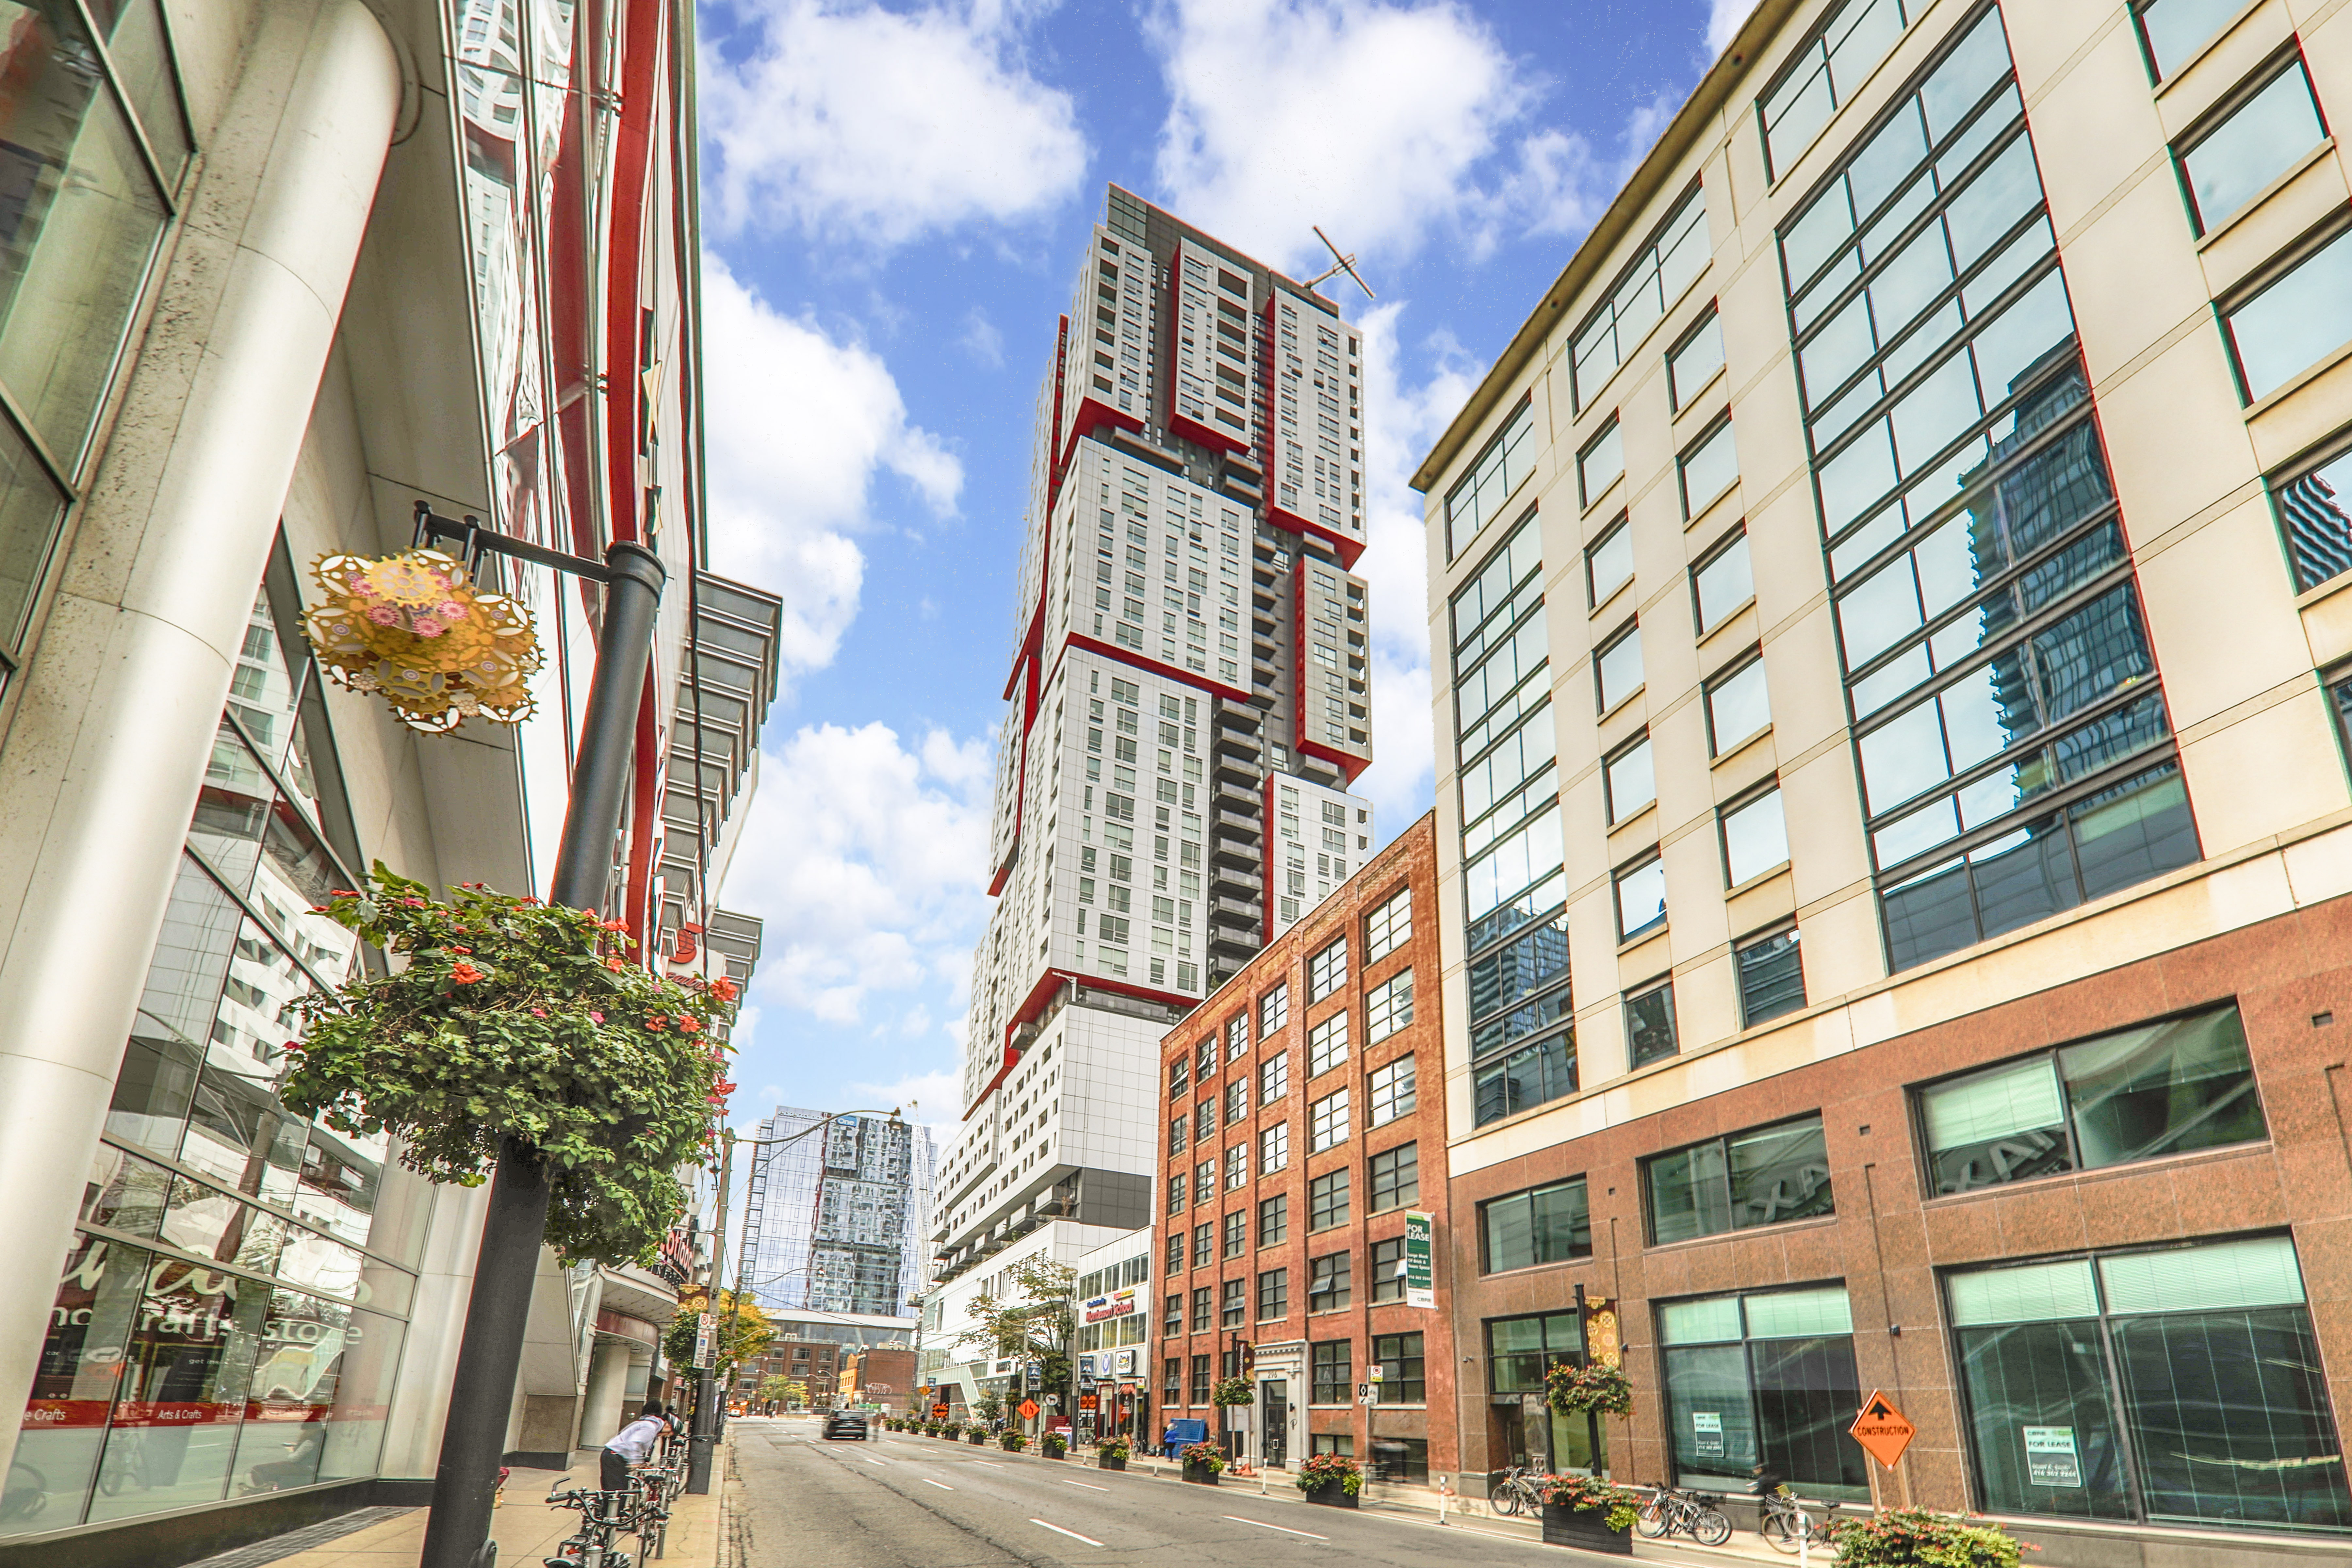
<point x="2015" y="752"/>
<point x="229" y="1316"/>
<point x="93" y="145"/>
<point x="2177" y="1385"/>
<point x="1765" y="1379"/>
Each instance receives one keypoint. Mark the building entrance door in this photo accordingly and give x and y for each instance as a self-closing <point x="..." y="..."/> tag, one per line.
<point x="1273" y="1403"/>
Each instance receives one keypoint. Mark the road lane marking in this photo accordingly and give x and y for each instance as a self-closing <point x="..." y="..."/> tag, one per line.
<point x="872" y="1460"/>
<point x="991" y="1464"/>
<point x="1072" y="1534"/>
<point x="941" y="1485"/>
<point x="1286" y="1530"/>
<point x="1088" y="1485"/>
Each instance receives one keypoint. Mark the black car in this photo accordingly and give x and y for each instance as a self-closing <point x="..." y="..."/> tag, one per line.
<point x="846" y="1424"/>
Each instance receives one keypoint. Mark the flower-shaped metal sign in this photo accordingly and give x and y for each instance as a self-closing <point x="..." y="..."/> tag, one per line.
<point x="413" y="629"/>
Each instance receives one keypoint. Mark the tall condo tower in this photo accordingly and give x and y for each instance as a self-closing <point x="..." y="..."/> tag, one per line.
<point x="834" y="1221"/>
<point x="1188" y="705"/>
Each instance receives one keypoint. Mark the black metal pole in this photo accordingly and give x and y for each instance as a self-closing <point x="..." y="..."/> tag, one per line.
<point x="481" y="1394"/>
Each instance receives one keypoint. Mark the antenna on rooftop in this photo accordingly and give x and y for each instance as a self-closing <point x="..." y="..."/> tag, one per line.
<point x="1346" y="264"/>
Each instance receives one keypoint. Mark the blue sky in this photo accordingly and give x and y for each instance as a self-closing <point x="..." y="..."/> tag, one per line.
<point x="895" y="198"/>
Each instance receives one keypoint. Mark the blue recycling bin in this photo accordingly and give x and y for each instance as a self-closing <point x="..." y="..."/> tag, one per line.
<point x="1179" y="1433"/>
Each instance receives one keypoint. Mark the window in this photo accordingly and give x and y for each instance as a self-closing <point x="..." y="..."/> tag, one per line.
<point x="1641" y="897"/>
<point x="1171" y="1320"/>
<point x="1204" y="1120"/>
<point x="1387" y="1271"/>
<point x="1530" y="1076"/>
<point x="1692" y="363"/>
<point x="1609" y="563"/>
<point x="1709" y="467"/>
<point x="1771" y="976"/>
<point x="1755" y="838"/>
<point x="1765" y="1176"/>
<point x="1274" y="1220"/>
<point x="2294" y="321"/>
<point x="1273" y="1149"/>
<point x="1327" y="972"/>
<point x="1765" y="1379"/>
<point x="1722" y="582"/>
<point x="1617" y="667"/>
<point x="1403" y="1460"/>
<point x="1334" y="1379"/>
<point x="1175" y="1252"/>
<point x="2257" y="140"/>
<point x="1201" y="1307"/>
<point x="1180" y="1078"/>
<point x="1550" y="1223"/>
<point x="1236" y="1101"/>
<point x="1327" y="1044"/>
<point x="1235" y="1306"/>
<point x="1326" y="1199"/>
<point x="1396" y="1177"/>
<point x="2138" y="1094"/>
<point x="1236" y="1034"/>
<point x="1650" y="1024"/>
<point x="1388" y="1007"/>
<point x="1176" y="1192"/>
<point x="1200" y="1386"/>
<point x="1205" y="1067"/>
<point x="1273" y="1010"/>
<point x="1511" y="858"/>
<point x="1389" y="927"/>
<point x="1403" y="1380"/>
<point x="1601" y="464"/>
<point x="1176" y="1135"/>
<point x="2311" y="505"/>
<point x="1236" y="1233"/>
<point x="1501" y="464"/>
<point x="1392" y="1091"/>
<point x="1326" y="1122"/>
<point x="1274" y="1077"/>
<point x="1823" y="75"/>
<point x="1204" y="1243"/>
<point x="1737" y="706"/>
<point x="1171" y="1382"/>
<point x="1631" y="781"/>
<point x="1676" y="253"/>
<point x="1204" y="1179"/>
<point x="2173" y="30"/>
<point x="1272" y="1294"/>
<point x="2211" y="1383"/>
<point x="1330" y="1283"/>
<point x="1236" y="1166"/>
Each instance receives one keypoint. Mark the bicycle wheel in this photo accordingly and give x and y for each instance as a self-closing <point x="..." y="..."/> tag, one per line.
<point x="1778" y="1533"/>
<point x="1710" y="1527"/>
<point x="1654" y="1521"/>
<point x="1506" y="1499"/>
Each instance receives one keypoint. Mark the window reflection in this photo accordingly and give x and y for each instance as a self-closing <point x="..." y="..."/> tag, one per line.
<point x="187" y="1372"/>
<point x="2258" y="141"/>
<point x="2295" y="322"/>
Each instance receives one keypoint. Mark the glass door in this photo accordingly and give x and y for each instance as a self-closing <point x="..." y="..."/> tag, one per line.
<point x="1274" y="1401"/>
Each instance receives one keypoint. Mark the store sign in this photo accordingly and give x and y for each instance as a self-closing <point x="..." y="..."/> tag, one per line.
<point x="1707" y="1434"/>
<point x="1601" y="1339"/>
<point x="1420" y="1263"/>
<point x="1123" y="1364"/>
<point x="1118" y="1304"/>
<point x="2050" y="1456"/>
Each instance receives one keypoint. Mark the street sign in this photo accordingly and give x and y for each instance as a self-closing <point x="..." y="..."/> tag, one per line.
<point x="1028" y="1410"/>
<point x="1881" y="1430"/>
<point x="702" y="1347"/>
<point x="939" y="1412"/>
<point x="1419" y="1267"/>
<point x="1368" y="1394"/>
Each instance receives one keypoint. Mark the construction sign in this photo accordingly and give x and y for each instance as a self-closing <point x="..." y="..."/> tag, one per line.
<point x="1883" y="1431"/>
<point x="1028" y="1410"/>
<point x="939" y="1412"/>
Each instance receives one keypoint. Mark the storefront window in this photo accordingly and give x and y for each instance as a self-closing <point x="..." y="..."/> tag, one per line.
<point x="2180" y="1385"/>
<point x="1765" y="1176"/>
<point x="1764" y="1379"/>
<point x="1521" y="1423"/>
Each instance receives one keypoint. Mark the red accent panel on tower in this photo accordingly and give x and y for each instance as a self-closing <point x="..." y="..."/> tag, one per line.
<point x="1041" y="994"/>
<point x="1152" y="665"/>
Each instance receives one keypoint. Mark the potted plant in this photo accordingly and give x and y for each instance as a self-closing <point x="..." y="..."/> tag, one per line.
<point x="1919" y="1537"/>
<point x="1111" y="1453"/>
<point x="1587" y="1512"/>
<point x="1054" y="1446"/>
<point x="1013" y="1440"/>
<point x="1594" y="1386"/>
<point x="1331" y="1479"/>
<point x="1203" y="1463"/>
<point x="976" y="1435"/>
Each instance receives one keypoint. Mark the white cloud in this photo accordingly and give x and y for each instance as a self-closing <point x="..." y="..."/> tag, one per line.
<point x="980" y="340"/>
<point x="1722" y="19"/>
<point x="849" y="120"/>
<point x="927" y="1097"/>
<point x="797" y="425"/>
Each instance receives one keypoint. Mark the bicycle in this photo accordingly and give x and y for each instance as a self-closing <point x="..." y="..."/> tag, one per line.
<point x="1788" y="1527"/>
<point x="1515" y="1491"/>
<point x="658" y="1487"/>
<point x="1669" y="1513"/>
<point x="603" y="1516"/>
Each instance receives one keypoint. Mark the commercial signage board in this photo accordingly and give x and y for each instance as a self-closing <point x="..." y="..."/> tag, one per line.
<point x="1706" y="1433"/>
<point x="2051" y="1459"/>
<point x="1117" y="1304"/>
<point x="1123" y="1364"/>
<point x="1420" y="1265"/>
<point x="1602" y="1339"/>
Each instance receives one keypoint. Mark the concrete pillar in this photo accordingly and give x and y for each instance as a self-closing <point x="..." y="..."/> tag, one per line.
<point x="127" y="686"/>
<point x="601" y="1413"/>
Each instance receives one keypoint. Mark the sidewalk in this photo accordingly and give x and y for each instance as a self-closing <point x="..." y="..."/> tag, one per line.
<point x="525" y="1528"/>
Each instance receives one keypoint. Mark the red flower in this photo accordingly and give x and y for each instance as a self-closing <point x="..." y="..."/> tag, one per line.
<point x="343" y="893"/>
<point x="688" y="1024"/>
<point x="526" y="900"/>
<point x="616" y="965"/>
<point x="464" y="950"/>
<point x="596" y="1017"/>
<point x="538" y="1012"/>
<point x="465" y="973"/>
<point x="656" y="1023"/>
<point x="724" y="989"/>
<point x="410" y="903"/>
<point x="612" y="925"/>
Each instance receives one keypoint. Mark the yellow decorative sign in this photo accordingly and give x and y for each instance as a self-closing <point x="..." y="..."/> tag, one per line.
<point x="414" y="630"/>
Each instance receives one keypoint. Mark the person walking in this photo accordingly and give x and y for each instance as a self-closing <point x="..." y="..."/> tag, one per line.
<point x="632" y="1444"/>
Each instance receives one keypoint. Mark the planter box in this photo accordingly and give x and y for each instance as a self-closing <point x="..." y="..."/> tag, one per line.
<point x="1105" y="1462"/>
<point x="1585" y="1528"/>
<point x="1050" y="1454"/>
<point x="1332" y="1494"/>
<point x="1199" y="1475"/>
<point x="978" y="1440"/>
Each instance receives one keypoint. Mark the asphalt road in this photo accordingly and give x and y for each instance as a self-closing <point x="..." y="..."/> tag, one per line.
<point x="917" y="1502"/>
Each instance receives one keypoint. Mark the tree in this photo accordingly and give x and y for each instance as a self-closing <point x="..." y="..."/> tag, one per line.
<point x="1036" y="1323"/>
<point x="739" y="1333"/>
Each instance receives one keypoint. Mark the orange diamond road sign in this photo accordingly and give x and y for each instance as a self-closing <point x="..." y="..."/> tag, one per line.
<point x="1028" y="1410"/>
<point x="1881" y="1430"/>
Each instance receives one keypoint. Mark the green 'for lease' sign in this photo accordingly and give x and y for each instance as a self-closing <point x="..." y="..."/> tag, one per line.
<point x="1420" y="1269"/>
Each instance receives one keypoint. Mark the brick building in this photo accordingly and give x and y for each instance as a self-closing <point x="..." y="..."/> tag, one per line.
<point x="1302" y="1101"/>
<point x="883" y="1377"/>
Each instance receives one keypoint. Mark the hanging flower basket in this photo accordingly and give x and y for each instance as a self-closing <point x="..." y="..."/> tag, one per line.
<point x="1232" y="1391"/>
<point x="511" y="1018"/>
<point x="1595" y="1386"/>
<point x="413" y="629"/>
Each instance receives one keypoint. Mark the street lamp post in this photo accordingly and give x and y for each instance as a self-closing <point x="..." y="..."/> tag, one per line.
<point x="481" y="1393"/>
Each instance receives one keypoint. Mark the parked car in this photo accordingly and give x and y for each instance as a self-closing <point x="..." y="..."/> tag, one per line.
<point x="846" y="1424"/>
